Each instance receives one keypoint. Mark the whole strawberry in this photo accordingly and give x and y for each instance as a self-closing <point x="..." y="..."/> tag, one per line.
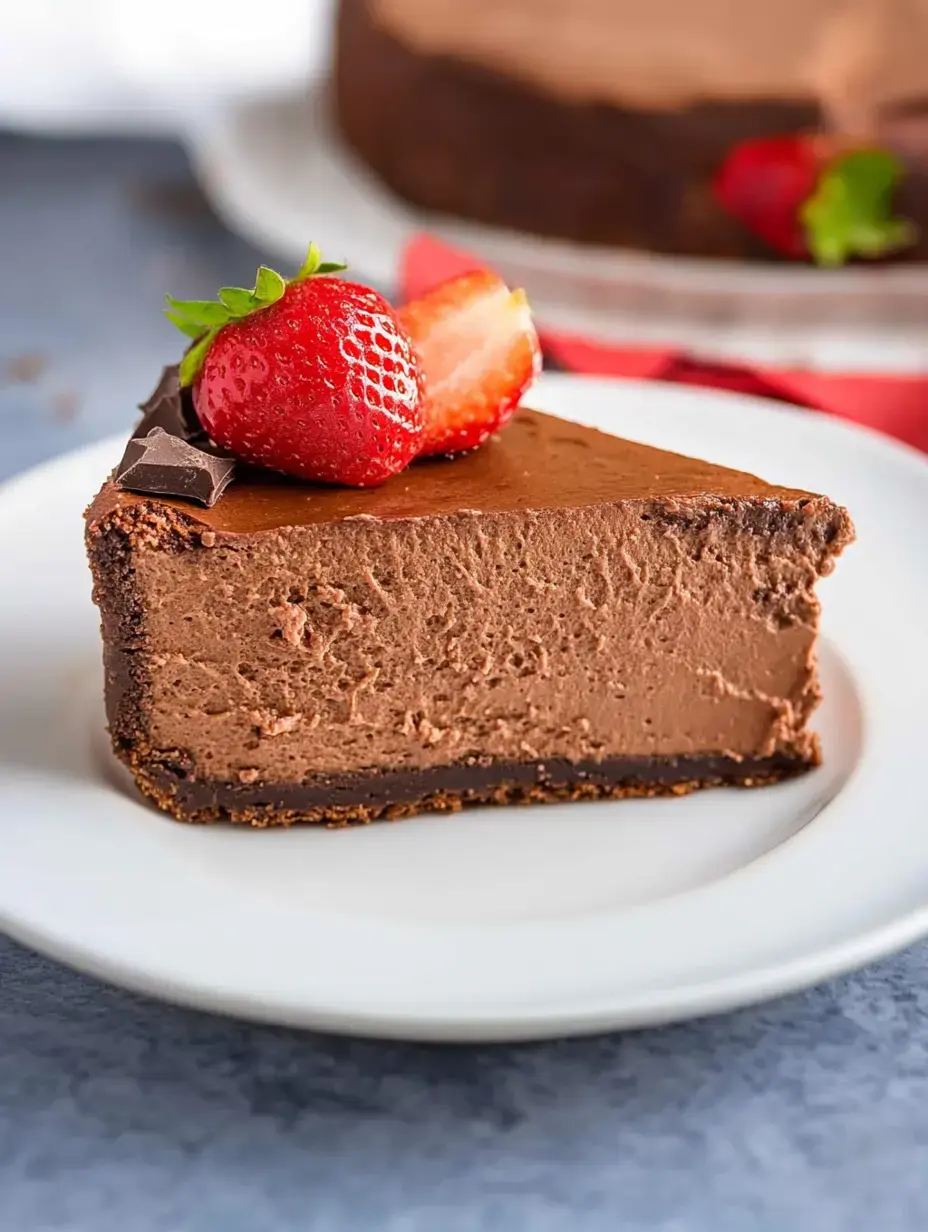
<point x="808" y="200"/>
<point x="479" y="353"/>
<point x="313" y="377"/>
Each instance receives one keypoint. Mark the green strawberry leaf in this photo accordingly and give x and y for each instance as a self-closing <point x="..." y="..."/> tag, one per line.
<point x="269" y="286"/>
<point x="202" y="319"/>
<point x="314" y="264"/>
<point x="311" y="263"/>
<point x="239" y="301"/>
<point x="192" y="362"/>
<point x="850" y="214"/>
<point x="200" y="311"/>
<point x="190" y="328"/>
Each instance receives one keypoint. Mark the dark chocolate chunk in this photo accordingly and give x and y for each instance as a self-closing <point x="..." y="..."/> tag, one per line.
<point x="170" y="454"/>
<point x="160" y="464"/>
<point x="171" y="408"/>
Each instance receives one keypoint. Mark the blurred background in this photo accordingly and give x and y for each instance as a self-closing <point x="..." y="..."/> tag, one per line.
<point x="101" y="210"/>
<point x="153" y="147"/>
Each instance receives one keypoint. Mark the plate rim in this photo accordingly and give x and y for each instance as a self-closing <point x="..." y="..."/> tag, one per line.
<point x="687" y="1002"/>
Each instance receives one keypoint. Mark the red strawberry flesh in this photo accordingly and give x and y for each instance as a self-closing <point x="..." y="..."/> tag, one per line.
<point x="764" y="184"/>
<point x="321" y="385"/>
<point x="479" y="353"/>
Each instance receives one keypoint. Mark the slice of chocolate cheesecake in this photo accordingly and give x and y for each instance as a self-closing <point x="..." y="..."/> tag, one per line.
<point x="560" y="614"/>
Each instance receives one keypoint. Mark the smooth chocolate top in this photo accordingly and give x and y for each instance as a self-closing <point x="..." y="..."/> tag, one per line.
<point x="537" y="462"/>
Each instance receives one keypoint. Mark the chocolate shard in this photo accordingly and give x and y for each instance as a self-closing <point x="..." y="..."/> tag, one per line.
<point x="170" y="407"/>
<point x="160" y="464"/>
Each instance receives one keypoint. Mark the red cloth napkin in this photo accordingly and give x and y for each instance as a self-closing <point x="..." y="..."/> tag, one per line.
<point x="896" y="405"/>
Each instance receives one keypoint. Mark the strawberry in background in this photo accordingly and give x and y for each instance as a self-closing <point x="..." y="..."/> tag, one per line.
<point x="809" y="202"/>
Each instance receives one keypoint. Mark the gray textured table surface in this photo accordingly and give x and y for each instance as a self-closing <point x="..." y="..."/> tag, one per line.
<point x="808" y="1115"/>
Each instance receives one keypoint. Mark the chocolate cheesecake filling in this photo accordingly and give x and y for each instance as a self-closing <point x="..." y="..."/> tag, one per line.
<point x="560" y="614"/>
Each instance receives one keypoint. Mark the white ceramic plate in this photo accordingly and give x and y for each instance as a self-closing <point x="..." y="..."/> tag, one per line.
<point x="277" y="173"/>
<point x="504" y="923"/>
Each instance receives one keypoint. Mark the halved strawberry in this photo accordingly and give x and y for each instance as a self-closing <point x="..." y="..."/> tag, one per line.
<point x="478" y="351"/>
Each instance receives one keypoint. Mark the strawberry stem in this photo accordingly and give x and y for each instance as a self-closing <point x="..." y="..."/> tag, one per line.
<point x="202" y="319"/>
<point x="314" y="264"/>
<point x="850" y="213"/>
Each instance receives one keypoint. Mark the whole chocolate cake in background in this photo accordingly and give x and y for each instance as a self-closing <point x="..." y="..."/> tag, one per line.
<point x="721" y="128"/>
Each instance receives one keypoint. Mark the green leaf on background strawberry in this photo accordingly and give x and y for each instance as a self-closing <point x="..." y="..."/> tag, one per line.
<point x="850" y="214"/>
<point x="202" y="319"/>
